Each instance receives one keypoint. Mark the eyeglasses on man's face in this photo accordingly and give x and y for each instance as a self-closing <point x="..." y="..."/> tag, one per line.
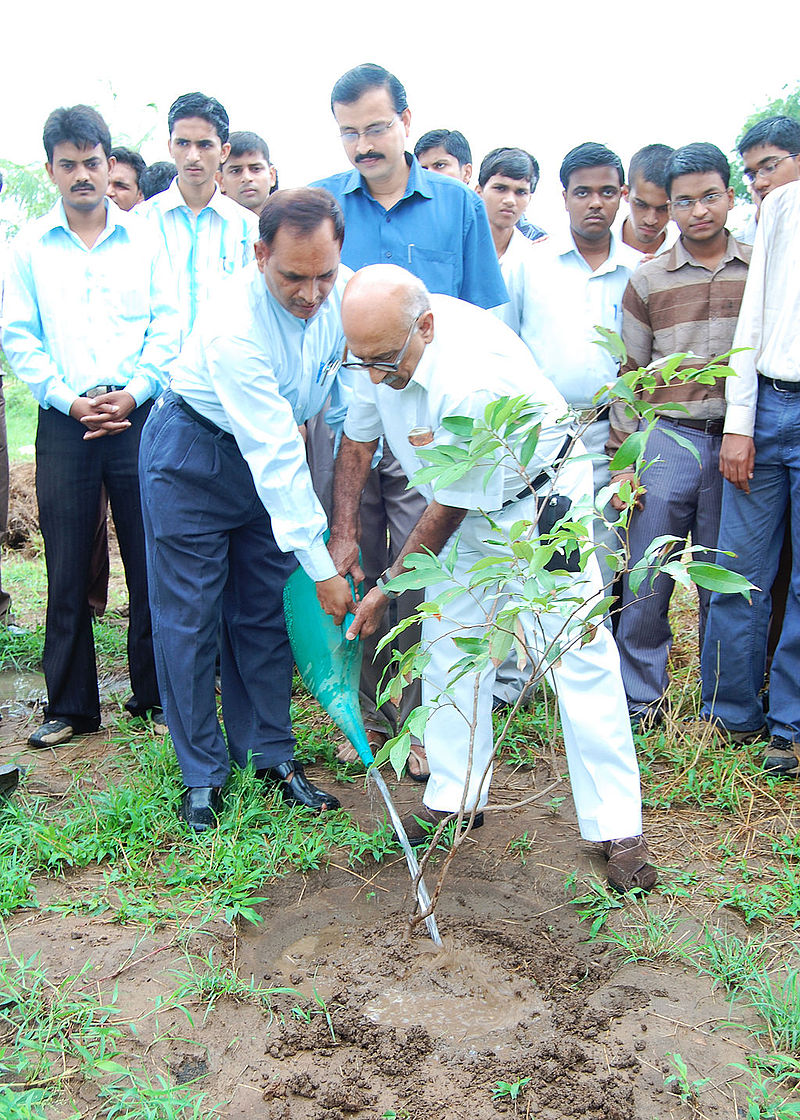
<point x="690" y="203"/>
<point x="768" y="168"/>
<point x="371" y="132"/>
<point x="386" y="365"/>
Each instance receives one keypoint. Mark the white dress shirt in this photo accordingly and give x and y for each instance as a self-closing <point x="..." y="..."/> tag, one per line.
<point x="257" y="371"/>
<point x="472" y="360"/>
<point x="75" y="317"/>
<point x="201" y="248"/>
<point x="518" y="266"/>
<point x="769" y="320"/>
<point x="560" y="312"/>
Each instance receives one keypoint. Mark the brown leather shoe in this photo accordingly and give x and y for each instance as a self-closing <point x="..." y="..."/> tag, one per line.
<point x="629" y="865"/>
<point x="421" y="824"/>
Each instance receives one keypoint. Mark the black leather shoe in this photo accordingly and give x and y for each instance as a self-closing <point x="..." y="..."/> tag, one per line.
<point x="9" y="779"/>
<point x="291" y="780"/>
<point x="200" y="806"/>
<point x="421" y="825"/>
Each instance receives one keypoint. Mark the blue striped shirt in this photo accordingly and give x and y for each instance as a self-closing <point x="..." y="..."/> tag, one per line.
<point x="201" y="247"/>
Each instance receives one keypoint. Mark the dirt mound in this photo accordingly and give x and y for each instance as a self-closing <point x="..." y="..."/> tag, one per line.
<point x="23" y="510"/>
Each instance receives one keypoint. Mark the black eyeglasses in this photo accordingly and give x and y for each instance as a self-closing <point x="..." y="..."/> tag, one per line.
<point x="767" y="168"/>
<point x="385" y="366"/>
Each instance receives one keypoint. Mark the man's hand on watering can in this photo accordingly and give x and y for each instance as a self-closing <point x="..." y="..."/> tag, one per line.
<point x="368" y="615"/>
<point x="335" y="597"/>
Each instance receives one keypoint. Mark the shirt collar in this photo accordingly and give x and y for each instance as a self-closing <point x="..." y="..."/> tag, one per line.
<point x="679" y="255"/>
<point x="174" y="200"/>
<point x="417" y="182"/>
<point x="57" y="218"/>
<point x="619" y="254"/>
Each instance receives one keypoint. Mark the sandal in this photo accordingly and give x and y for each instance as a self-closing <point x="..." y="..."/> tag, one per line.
<point x="629" y="865"/>
<point x="417" y="763"/>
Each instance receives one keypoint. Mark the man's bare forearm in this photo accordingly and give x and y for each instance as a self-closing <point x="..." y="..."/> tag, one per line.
<point x="432" y="531"/>
<point x="349" y="479"/>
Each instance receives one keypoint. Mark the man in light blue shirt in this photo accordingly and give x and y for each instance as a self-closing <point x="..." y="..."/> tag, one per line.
<point x="435" y="227"/>
<point x="207" y="235"/>
<point x="90" y="326"/>
<point x="229" y="503"/>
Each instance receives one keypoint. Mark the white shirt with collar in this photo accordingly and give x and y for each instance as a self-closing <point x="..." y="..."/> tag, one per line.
<point x="769" y="319"/>
<point x="75" y="317"/>
<point x="257" y="371"/>
<point x="201" y="247"/>
<point x="518" y="266"/>
<point x="561" y="311"/>
<point x="472" y="360"/>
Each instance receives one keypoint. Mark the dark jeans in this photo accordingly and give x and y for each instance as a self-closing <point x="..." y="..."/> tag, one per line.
<point x="70" y="473"/>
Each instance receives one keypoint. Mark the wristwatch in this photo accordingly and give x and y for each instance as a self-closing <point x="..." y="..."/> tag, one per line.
<point x="381" y="582"/>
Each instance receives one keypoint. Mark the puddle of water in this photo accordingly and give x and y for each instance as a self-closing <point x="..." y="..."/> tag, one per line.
<point x="461" y="1018"/>
<point x="21" y="686"/>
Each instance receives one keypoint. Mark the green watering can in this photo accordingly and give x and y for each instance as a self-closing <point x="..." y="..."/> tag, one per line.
<point x="330" y="667"/>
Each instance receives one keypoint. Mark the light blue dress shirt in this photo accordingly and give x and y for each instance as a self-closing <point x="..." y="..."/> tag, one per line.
<point x="438" y="230"/>
<point x="201" y="248"/>
<point x="75" y="317"/>
<point x="257" y="371"/>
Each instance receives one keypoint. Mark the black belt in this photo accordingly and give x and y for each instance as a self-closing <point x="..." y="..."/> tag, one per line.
<point x="101" y="390"/>
<point x="711" y="427"/>
<point x="783" y="386"/>
<point x="209" y="425"/>
<point x="543" y="476"/>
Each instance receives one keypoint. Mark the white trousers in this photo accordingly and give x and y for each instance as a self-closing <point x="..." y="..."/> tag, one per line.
<point x="601" y="758"/>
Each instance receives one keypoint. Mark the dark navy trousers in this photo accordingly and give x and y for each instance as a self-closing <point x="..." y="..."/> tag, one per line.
<point x="70" y="472"/>
<point x="214" y="568"/>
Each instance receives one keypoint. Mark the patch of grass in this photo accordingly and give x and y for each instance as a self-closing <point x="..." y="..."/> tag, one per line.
<point x="21" y="415"/>
<point x="647" y="935"/>
<point x="49" y="1032"/>
<point x="154" y="868"/>
<point x="21" y="650"/>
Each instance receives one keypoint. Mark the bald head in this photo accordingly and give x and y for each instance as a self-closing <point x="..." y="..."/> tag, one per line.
<point x="383" y="309"/>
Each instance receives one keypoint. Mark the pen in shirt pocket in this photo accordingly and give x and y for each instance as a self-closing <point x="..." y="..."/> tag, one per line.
<point x="327" y="369"/>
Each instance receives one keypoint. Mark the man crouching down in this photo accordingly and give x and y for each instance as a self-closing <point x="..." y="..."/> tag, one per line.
<point x="428" y="358"/>
<point x="228" y="503"/>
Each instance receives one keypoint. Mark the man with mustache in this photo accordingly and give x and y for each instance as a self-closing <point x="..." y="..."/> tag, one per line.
<point x="229" y="506"/>
<point x="90" y="326"/>
<point x="435" y="227"/>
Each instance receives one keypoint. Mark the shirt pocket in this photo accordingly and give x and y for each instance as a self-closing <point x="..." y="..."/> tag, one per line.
<point x="436" y="268"/>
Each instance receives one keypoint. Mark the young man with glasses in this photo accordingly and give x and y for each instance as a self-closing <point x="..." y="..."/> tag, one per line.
<point x="684" y="301"/>
<point x="435" y="227"/>
<point x="770" y="151"/>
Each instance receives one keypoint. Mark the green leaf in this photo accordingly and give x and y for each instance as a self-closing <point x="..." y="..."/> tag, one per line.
<point x="629" y="452"/>
<point x="459" y="425"/>
<point x="529" y="446"/>
<point x="714" y="578"/>
<point x="684" y="442"/>
<point x="612" y="343"/>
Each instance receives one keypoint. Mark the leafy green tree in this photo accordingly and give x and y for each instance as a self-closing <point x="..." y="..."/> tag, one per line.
<point x="29" y="187"/>
<point x="786" y="106"/>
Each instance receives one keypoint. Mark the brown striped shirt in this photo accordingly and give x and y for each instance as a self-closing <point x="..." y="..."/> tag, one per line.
<point x="675" y="305"/>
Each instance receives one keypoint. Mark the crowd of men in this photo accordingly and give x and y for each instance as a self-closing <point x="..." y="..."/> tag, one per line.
<point x="241" y="370"/>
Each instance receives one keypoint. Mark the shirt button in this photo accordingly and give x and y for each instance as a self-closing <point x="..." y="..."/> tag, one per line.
<point x="388" y="255"/>
<point x="388" y="219"/>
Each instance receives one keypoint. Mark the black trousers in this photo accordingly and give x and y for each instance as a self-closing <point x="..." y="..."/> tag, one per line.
<point x="70" y="472"/>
